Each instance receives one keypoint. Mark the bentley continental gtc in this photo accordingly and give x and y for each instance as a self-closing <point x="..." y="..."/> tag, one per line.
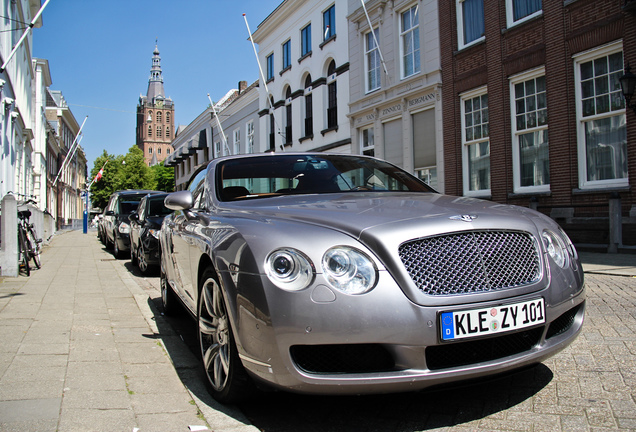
<point x="343" y="274"/>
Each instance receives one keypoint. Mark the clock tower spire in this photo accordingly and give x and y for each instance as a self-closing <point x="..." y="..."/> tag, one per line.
<point x="155" y="116"/>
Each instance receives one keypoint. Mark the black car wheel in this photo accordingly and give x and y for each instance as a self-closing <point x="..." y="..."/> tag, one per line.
<point x="116" y="251"/>
<point x="167" y="296"/>
<point x="141" y="258"/>
<point x="227" y="380"/>
<point x="133" y="255"/>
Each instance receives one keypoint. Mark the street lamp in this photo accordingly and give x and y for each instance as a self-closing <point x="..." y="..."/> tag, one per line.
<point x="628" y="83"/>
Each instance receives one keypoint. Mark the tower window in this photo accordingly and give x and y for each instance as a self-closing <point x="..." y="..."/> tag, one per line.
<point x="159" y="117"/>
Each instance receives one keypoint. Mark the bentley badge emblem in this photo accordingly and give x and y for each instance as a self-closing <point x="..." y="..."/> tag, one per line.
<point x="465" y="217"/>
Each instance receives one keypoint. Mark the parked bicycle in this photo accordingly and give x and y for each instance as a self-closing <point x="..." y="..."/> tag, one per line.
<point x="29" y="244"/>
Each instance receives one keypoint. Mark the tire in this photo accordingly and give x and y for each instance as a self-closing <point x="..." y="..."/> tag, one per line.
<point x="133" y="255"/>
<point x="226" y="379"/>
<point x="24" y="250"/>
<point x="141" y="259"/>
<point x="168" y="297"/>
<point x="116" y="251"/>
<point x="35" y="247"/>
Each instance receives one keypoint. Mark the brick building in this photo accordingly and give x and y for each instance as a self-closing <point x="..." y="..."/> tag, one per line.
<point x="533" y="110"/>
<point x="155" y="117"/>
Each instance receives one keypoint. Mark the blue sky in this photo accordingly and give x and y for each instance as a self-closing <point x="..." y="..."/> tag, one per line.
<point x="100" y="54"/>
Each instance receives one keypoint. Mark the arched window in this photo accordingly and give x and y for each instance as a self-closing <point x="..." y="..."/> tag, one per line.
<point x="332" y="98"/>
<point x="168" y="117"/>
<point x="288" y="117"/>
<point x="149" y="119"/>
<point x="158" y="131"/>
<point x="309" y="116"/>
<point x="149" y="130"/>
<point x="167" y="129"/>
<point x="158" y="116"/>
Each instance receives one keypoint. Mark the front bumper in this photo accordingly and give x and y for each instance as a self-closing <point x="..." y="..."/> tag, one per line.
<point x="381" y="342"/>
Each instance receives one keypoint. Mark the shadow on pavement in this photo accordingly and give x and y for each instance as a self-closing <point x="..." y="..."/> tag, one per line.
<point x="408" y="412"/>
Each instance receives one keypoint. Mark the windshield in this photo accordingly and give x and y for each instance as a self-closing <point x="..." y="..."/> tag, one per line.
<point x="127" y="207"/>
<point x="310" y="174"/>
<point x="156" y="207"/>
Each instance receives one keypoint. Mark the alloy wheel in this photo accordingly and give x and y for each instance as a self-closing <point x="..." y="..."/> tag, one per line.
<point x="141" y="259"/>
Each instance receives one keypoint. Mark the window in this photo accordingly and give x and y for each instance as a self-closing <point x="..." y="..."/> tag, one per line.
<point x="270" y="67"/>
<point x="159" y="132"/>
<point x="287" y="54"/>
<point x="167" y="116"/>
<point x="367" y="146"/>
<point x="410" y="42"/>
<point x="372" y="64"/>
<point x="217" y="149"/>
<point x="309" y="116"/>
<point x="158" y="116"/>
<point x="329" y="23"/>
<point x="149" y="130"/>
<point x="149" y="150"/>
<point x="475" y="143"/>
<point x="167" y="131"/>
<point x="531" y="162"/>
<point x="470" y="22"/>
<point x="272" y="125"/>
<point x="332" y="98"/>
<point x="249" y="133"/>
<point x="305" y="40"/>
<point x="159" y="150"/>
<point x="288" y="117"/>
<point x="602" y="135"/>
<point x="237" y="141"/>
<point x="518" y="11"/>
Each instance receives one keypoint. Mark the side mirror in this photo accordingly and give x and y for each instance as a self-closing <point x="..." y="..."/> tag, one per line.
<point x="181" y="200"/>
<point x="134" y="217"/>
<point x="110" y="213"/>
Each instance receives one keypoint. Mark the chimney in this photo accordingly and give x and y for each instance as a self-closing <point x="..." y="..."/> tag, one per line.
<point x="242" y="86"/>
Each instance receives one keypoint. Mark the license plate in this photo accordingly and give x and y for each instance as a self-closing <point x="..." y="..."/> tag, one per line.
<point x="496" y="319"/>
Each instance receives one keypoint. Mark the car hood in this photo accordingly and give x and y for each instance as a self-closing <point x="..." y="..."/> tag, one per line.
<point x="372" y="215"/>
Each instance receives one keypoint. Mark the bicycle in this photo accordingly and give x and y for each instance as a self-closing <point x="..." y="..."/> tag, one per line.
<point x="29" y="244"/>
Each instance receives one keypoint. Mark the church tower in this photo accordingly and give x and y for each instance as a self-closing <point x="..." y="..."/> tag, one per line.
<point x="155" y="117"/>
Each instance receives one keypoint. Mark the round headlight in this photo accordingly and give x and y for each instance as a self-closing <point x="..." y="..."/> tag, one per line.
<point x="555" y="247"/>
<point x="573" y="253"/>
<point x="349" y="270"/>
<point x="124" y="228"/>
<point x="289" y="269"/>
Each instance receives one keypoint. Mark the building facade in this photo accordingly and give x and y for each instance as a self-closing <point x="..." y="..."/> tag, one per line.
<point x="395" y="85"/>
<point x="533" y="109"/>
<point x="230" y="128"/>
<point x="155" y="117"/>
<point x="304" y="98"/>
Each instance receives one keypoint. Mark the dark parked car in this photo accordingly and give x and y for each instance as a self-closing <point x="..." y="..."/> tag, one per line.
<point x="115" y="224"/>
<point x="145" y="224"/>
<point x="343" y="274"/>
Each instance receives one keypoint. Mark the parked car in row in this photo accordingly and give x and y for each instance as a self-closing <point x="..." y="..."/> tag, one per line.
<point x="115" y="226"/>
<point x="145" y="224"/>
<point x="343" y="274"/>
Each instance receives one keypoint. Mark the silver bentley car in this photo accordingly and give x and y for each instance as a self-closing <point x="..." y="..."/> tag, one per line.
<point x="343" y="274"/>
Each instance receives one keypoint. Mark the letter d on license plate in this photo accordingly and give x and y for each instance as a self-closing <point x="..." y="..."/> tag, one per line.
<point x="490" y="320"/>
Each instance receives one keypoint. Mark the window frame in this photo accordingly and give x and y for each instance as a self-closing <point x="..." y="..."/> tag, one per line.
<point x="516" y="150"/>
<point x="367" y="52"/>
<point x="478" y="92"/>
<point x="330" y="12"/>
<point x="403" y="33"/>
<point x="460" y="27"/>
<point x="366" y="148"/>
<point x="286" y="54"/>
<point x="236" y="141"/>
<point x="269" y="63"/>
<point x="305" y="41"/>
<point x="510" y="14"/>
<point x="249" y="136"/>
<point x="578" y="59"/>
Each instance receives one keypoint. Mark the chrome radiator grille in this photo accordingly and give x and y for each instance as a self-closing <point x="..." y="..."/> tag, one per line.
<point x="471" y="262"/>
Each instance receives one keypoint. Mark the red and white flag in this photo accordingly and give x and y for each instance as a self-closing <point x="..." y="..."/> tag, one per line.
<point x="99" y="175"/>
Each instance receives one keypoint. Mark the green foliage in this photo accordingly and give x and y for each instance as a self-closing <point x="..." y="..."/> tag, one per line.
<point x="164" y="176"/>
<point x="127" y="172"/>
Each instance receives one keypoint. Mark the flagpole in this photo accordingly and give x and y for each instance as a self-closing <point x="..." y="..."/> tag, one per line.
<point x="72" y="149"/>
<point x="375" y="40"/>
<point x="24" y="35"/>
<point x="88" y="189"/>
<point x="260" y="69"/>
<point x="218" y="121"/>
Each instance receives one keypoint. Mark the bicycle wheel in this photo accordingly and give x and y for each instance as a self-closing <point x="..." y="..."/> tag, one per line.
<point x="24" y="249"/>
<point x="36" y="246"/>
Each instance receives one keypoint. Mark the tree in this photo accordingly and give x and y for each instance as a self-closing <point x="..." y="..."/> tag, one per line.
<point x="104" y="187"/>
<point x="135" y="174"/>
<point x="164" y="176"/>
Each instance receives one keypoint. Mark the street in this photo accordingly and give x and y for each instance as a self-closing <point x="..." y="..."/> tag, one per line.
<point x="83" y="341"/>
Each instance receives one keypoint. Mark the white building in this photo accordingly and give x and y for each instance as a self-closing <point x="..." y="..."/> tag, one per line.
<point x="16" y="109"/>
<point x="203" y="139"/>
<point x="304" y="53"/>
<point x="395" y="84"/>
